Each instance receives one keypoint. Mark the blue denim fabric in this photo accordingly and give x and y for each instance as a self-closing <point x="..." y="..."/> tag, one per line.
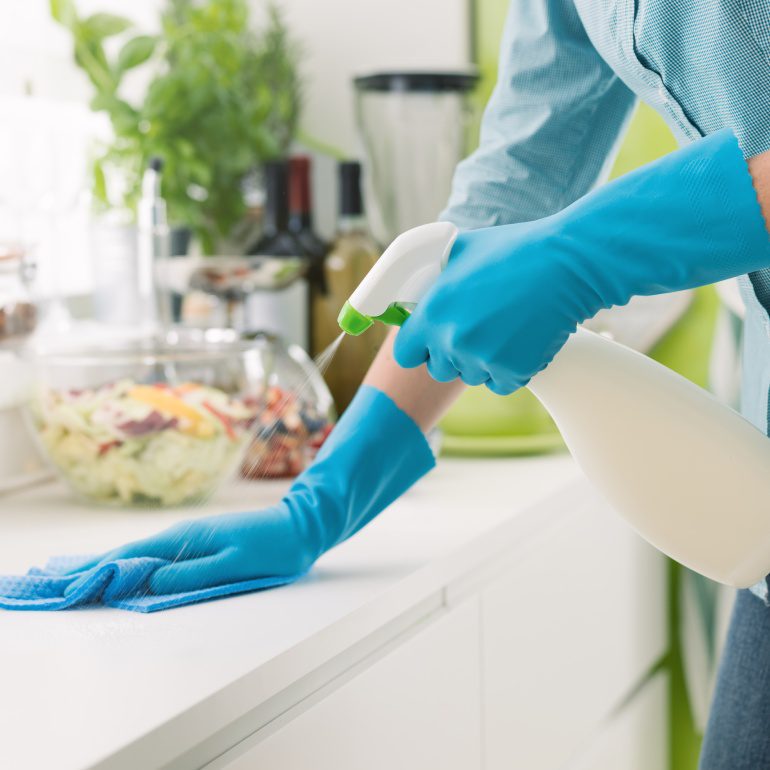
<point x="737" y="737"/>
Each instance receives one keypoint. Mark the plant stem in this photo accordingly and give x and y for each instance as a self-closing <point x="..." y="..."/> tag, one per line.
<point x="321" y="147"/>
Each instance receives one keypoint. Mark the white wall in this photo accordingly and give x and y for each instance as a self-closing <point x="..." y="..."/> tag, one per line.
<point x="340" y="39"/>
<point x="46" y="136"/>
<point x="36" y="52"/>
<point x="344" y="38"/>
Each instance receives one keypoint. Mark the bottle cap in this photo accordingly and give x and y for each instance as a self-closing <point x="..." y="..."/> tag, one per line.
<point x="351" y="201"/>
<point x="276" y="193"/>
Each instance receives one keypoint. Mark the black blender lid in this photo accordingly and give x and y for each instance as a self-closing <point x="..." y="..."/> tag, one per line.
<point x="417" y="81"/>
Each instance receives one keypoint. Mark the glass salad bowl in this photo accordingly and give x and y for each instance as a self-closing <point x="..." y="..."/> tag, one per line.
<point x="164" y="421"/>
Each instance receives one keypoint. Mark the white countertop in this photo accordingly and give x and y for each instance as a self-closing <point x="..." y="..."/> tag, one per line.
<point x="117" y="689"/>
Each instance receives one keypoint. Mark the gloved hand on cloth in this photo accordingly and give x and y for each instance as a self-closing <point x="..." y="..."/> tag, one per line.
<point x="374" y="454"/>
<point x="506" y="303"/>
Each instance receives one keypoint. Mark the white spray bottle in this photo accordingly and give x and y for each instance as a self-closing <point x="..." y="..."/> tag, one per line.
<point x="688" y="473"/>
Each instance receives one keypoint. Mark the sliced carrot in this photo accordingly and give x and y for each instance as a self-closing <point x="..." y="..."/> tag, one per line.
<point x="186" y="387"/>
<point x="166" y="402"/>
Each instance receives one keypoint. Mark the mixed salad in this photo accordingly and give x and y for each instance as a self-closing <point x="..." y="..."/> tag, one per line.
<point x="156" y="444"/>
<point x="127" y="442"/>
<point x="287" y="433"/>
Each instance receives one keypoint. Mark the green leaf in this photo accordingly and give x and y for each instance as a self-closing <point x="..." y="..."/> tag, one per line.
<point x="63" y="11"/>
<point x="124" y="117"/>
<point x="102" y="25"/>
<point x="100" y="183"/>
<point x="226" y="96"/>
<point x="318" y="146"/>
<point x="135" y="52"/>
<point x="90" y="56"/>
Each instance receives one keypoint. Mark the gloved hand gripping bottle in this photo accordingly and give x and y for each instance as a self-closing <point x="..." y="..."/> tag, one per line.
<point x="688" y="473"/>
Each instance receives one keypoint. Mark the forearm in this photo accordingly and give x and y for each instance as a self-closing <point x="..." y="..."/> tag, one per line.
<point x="759" y="166"/>
<point x="413" y="390"/>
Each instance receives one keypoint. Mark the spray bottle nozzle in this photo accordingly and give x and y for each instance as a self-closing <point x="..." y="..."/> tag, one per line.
<point x="399" y="278"/>
<point x="352" y="322"/>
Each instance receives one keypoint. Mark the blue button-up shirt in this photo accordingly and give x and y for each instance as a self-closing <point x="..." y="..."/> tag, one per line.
<point x="569" y="74"/>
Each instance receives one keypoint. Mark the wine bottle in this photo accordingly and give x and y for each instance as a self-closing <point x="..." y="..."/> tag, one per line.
<point x="350" y="258"/>
<point x="301" y="207"/>
<point x="301" y="226"/>
<point x="283" y="311"/>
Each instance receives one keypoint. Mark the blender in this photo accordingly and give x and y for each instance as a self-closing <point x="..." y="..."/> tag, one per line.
<point x="415" y="128"/>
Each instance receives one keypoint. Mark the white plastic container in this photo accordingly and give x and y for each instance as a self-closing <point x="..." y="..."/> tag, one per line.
<point x="687" y="472"/>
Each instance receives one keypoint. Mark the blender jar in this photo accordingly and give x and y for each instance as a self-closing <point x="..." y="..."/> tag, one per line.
<point x="415" y="128"/>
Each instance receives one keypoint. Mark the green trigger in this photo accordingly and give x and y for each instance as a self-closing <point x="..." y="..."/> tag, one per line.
<point x="395" y="315"/>
<point x="353" y="322"/>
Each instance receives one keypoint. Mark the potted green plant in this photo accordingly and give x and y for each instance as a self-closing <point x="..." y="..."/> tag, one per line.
<point x="222" y="97"/>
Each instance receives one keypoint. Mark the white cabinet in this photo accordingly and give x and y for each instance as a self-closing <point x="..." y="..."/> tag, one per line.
<point x="567" y="634"/>
<point x="637" y="737"/>
<point x="417" y="707"/>
<point x="499" y="617"/>
<point x="530" y="671"/>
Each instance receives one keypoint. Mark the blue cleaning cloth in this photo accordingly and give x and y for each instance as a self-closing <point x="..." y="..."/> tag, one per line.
<point x="121" y="584"/>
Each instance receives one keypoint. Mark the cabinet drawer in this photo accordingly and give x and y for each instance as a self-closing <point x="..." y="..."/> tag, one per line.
<point x="567" y="633"/>
<point x="417" y="707"/>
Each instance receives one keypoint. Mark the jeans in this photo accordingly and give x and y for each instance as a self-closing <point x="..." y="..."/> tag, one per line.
<point x="738" y="732"/>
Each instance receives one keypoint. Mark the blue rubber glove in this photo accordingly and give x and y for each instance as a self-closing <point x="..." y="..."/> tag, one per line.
<point x="373" y="455"/>
<point x="511" y="295"/>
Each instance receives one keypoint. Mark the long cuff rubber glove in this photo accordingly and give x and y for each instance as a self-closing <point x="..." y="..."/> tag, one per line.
<point x="511" y="295"/>
<point x="373" y="455"/>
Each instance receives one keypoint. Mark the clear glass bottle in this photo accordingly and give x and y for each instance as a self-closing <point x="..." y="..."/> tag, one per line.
<point x="350" y="258"/>
<point x="153" y="245"/>
<point x="17" y="311"/>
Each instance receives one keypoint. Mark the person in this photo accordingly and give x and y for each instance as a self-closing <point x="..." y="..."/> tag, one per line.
<point x="541" y="251"/>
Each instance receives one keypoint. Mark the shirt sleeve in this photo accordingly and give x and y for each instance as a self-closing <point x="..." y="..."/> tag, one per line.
<point x="549" y="128"/>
